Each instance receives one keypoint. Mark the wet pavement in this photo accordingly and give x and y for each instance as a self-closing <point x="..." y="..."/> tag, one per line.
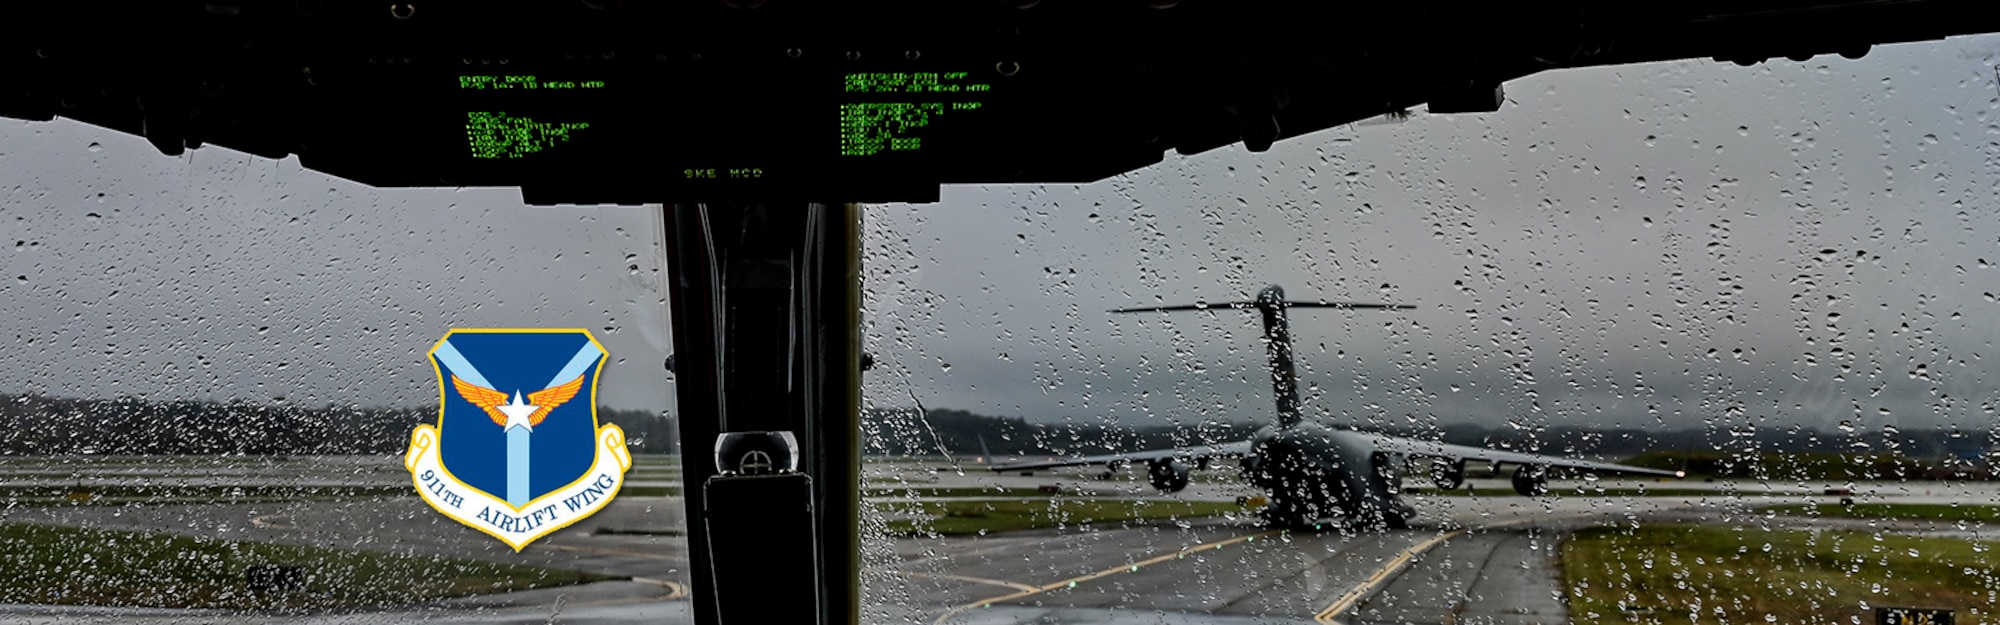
<point x="1480" y="559"/>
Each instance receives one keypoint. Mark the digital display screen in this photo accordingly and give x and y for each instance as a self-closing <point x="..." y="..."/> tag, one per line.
<point x="501" y="134"/>
<point x="575" y="126"/>
<point x="894" y="112"/>
<point x="522" y="82"/>
<point x="496" y="134"/>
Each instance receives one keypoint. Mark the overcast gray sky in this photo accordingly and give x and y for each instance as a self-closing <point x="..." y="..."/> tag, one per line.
<point x="1658" y="245"/>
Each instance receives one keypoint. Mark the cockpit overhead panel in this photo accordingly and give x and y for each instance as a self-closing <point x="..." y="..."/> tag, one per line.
<point x="591" y="102"/>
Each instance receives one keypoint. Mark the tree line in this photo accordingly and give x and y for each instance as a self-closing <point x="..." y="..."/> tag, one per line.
<point x="939" y="432"/>
<point x="41" y="425"/>
<point x="32" y="424"/>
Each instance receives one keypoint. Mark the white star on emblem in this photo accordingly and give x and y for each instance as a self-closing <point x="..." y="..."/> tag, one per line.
<point x="517" y="413"/>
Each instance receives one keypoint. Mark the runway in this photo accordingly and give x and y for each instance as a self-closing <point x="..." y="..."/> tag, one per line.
<point x="1487" y="559"/>
<point x="1484" y="563"/>
<point x="1502" y="576"/>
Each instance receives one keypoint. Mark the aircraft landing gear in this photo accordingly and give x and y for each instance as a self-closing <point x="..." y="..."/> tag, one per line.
<point x="1278" y="516"/>
<point x="1396" y="516"/>
<point x="1282" y="514"/>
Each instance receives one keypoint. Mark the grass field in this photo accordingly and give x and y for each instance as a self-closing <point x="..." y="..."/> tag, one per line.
<point x="1611" y="491"/>
<point x="203" y="494"/>
<point x="947" y="491"/>
<point x="60" y="565"/>
<point x="959" y="518"/>
<point x="1701" y="574"/>
<point x="1593" y="491"/>
<point x="1930" y="512"/>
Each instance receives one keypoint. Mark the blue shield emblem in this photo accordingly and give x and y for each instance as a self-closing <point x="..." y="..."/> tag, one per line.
<point x="517" y="451"/>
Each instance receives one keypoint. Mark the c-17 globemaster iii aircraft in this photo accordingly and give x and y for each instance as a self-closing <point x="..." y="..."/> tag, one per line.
<point x="1317" y="473"/>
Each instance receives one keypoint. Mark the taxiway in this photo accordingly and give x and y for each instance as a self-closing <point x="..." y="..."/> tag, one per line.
<point x="1468" y="559"/>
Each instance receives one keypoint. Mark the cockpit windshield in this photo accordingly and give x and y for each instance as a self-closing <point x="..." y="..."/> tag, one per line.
<point x="1690" y="341"/>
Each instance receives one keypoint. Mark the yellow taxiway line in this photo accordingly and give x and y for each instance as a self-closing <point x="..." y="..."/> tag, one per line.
<point x="1395" y="566"/>
<point x="976" y="580"/>
<point x="1381" y="576"/>
<point x="1028" y="591"/>
<point x="610" y="552"/>
<point x="674" y="589"/>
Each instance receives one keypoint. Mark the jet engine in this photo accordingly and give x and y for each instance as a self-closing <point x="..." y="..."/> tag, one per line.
<point x="1531" y="481"/>
<point x="1167" y="475"/>
<point x="1447" y="474"/>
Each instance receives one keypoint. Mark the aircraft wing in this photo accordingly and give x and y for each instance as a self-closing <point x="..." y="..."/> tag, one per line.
<point x="1237" y="449"/>
<point x="1413" y="447"/>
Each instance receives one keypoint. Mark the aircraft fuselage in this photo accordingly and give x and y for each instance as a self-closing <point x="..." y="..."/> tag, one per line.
<point x="1316" y="473"/>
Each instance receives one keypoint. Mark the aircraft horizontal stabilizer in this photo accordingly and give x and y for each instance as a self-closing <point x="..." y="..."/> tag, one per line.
<point x="1237" y="449"/>
<point x="1253" y="304"/>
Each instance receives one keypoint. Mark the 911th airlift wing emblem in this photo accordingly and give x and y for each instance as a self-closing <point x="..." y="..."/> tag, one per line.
<point x="511" y="454"/>
<point x="511" y="415"/>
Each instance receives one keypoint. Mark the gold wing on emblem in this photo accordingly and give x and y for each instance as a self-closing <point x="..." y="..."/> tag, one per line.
<point x="551" y="397"/>
<point x="484" y="398"/>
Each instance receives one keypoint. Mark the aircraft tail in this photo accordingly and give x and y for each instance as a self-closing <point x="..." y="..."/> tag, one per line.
<point x="1271" y="303"/>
